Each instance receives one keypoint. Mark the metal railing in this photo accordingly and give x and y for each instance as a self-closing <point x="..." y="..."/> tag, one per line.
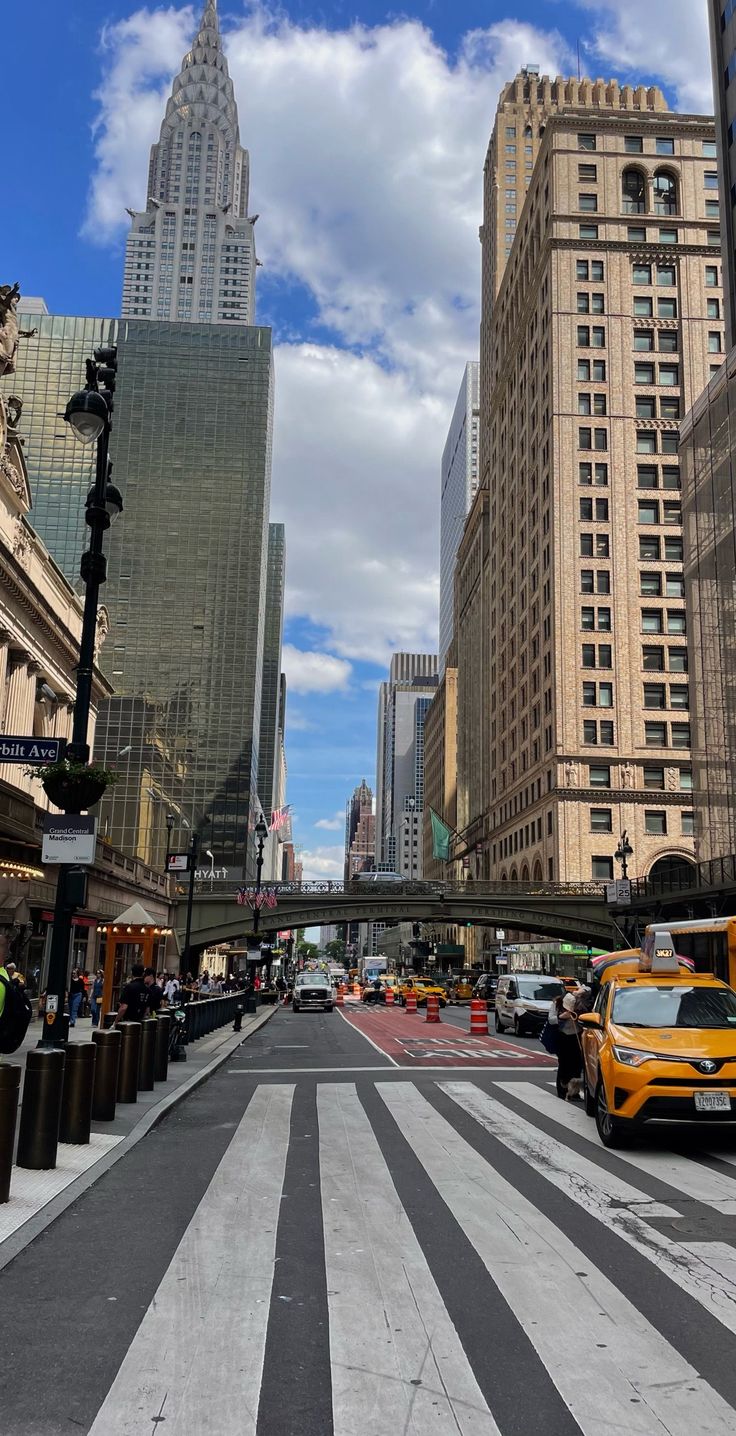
<point x="470" y="887"/>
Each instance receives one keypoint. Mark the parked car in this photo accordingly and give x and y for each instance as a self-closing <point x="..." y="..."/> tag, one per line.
<point x="422" y="986"/>
<point x="523" y="999"/>
<point x="313" y="990"/>
<point x="486" y="987"/>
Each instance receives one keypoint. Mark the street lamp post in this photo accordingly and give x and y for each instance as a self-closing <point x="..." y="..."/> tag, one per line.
<point x="170" y="821"/>
<point x="261" y="835"/>
<point x="88" y="414"/>
<point x="623" y="852"/>
<point x="193" y="849"/>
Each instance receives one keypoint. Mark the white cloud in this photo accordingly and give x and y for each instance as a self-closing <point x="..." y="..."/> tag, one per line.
<point x="367" y="149"/>
<point x="334" y="824"/>
<point x="322" y="862"/>
<point x="312" y="672"/>
<point x="664" y="39"/>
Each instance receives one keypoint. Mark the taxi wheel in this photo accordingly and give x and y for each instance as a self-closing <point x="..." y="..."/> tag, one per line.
<point x="613" y="1131"/>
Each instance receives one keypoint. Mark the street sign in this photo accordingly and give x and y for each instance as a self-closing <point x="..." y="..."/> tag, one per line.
<point x="177" y="863"/>
<point x="69" y="839"/>
<point x="31" y="750"/>
<point x="618" y="892"/>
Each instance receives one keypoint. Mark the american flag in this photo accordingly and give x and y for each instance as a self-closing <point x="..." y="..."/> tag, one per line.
<point x="280" y="818"/>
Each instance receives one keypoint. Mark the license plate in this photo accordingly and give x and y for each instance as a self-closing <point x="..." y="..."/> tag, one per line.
<point x="712" y="1102"/>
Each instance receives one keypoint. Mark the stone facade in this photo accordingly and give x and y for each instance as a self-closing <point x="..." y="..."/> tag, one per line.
<point x="573" y="720"/>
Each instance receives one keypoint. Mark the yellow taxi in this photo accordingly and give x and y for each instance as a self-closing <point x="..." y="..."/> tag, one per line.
<point x="423" y="986"/>
<point x="659" y="1044"/>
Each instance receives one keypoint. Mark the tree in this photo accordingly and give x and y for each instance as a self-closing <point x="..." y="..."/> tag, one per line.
<point x="307" y="950"/>
<point x="336" y="949"/>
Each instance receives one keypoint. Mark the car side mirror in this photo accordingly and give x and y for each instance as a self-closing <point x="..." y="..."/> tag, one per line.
<point x="590" y="1019"/>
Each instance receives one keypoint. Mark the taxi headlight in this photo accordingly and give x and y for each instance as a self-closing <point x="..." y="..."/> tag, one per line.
<point x="633" y="1057"/>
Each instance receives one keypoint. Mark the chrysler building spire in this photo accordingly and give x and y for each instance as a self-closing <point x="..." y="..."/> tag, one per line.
<point x="191" y="253"/>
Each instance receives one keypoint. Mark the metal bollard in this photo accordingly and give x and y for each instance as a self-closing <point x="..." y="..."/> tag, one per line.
<point x="9" y="1091"/>
<point x="76" y="1093"/>
<point x="108" y="1020"/>
<point x="238" y="1023"/>
<point x="130" y="1047"/>
<point x="147" y="1056"/>
<point x="41" y="1109"/>
<point x="161" y="1063"/>
<point x="105" y="1090"/>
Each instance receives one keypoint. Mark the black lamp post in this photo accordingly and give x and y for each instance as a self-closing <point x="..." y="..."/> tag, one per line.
<point x="261" y="835"/>
<point x="170" y="821"/>
<point x="623" y="852"/>
<point x="193" y="851"/>
<point x="89" y="415"/>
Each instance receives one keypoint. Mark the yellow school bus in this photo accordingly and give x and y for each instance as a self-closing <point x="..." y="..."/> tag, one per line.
<point x="709" y="942"/>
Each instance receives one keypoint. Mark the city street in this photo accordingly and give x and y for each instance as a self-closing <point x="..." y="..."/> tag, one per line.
<point x="318" y="1241"/>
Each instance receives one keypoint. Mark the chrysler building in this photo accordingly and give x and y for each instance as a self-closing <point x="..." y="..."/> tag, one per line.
<point x="191" y="254"/>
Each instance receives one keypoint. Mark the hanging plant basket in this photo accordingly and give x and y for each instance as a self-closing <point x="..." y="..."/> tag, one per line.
<point x="74" y="787"/>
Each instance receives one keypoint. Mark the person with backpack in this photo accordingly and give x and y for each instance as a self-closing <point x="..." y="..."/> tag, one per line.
<point x="15" y="1006"/>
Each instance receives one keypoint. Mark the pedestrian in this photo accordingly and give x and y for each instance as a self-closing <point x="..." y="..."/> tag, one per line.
<point x="76" y="996"/>
<point x="171" y="990"/>
<point x="154" y="995"/>
<point x="133" y="997"/>
<point x="96" y="999"/>
<point x="569" y="1055"/>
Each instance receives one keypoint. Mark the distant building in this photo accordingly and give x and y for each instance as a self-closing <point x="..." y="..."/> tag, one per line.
<point x="440" y="769"/>
<point x="459" y="481"/>
<point x="402" y="706"/>
<point x="191" y="253"/>
<point x="360" y="832"/>
<point x="271" y="684"/>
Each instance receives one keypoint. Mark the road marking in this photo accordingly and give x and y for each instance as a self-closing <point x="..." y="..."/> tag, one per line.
<point x="197" y="1357"/>
<point x="445" y="1067"/>
<point x="703" y="1184"/>
<point x="631" y="1378"/>
<point x="397" y="1361"/>
<point x="364" y="1035"/>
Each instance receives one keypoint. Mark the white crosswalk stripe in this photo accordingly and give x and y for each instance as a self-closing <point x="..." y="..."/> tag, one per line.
<point x="398" y="1354"/>
<point x="547" y="1281"/>
<point x="419" y="1383"/>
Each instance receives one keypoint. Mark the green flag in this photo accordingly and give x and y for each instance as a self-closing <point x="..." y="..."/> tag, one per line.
<point x="441" y="838"/>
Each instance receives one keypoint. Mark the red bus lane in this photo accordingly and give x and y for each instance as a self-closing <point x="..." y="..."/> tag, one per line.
<point x="411" y="1042"/>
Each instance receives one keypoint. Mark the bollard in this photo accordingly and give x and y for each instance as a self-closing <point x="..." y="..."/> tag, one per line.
<point x="410" y="1001"/>
<point x="108" y="1020"/>
<point x="76" y="1093"/>
<point x="9" y="1090"/>
<point x="238" y="1023"/>
<point x="130" y="1046"/>
<point x="340" y="996"/>
<point x="41" y="1109"/>
<point x="147" y="1055"/>
<point x="105" y="1090"/>
<point x="161" y="1064"/>
<point x="390" y="995"/>
<point x="478" y="1016"/>
<point x="433" y="1007"/>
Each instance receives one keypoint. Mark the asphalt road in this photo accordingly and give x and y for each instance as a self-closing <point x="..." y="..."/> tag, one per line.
<point x="320" y="1243"/>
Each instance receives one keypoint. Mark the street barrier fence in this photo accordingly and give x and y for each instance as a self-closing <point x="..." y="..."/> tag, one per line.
<point x="207" y="1013"/>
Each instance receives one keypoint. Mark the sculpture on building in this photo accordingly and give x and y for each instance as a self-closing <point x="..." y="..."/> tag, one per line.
<point x="571" y="774"/>
<point x="102" y="628"/>
<point x="9" y="331"/>
<point x="627" y="775"/>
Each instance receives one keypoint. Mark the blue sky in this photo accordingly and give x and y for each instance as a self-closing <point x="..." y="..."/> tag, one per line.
<point x="367" y="130"/>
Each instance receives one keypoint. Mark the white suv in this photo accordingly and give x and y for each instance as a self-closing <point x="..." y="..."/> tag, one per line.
<point x="523" y="999"/>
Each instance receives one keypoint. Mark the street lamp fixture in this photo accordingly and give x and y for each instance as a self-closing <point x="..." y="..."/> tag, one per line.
<point x="87" y="415"/>
<point x="623" y="852"/>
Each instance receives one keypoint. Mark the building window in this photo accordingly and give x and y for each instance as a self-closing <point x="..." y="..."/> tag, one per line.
<point x="601" y="869"/>
<point x="676" y="622"/>
<point x="599" y="775"/>
<point x="647" y="477"/>
<point x="666" y="275"/>
<point x="644" y="341"/>
<point x="584" y="404"/>
<point x="604" y="620"/>
<point x="651" y="621"/>
<point x="584" y="371"/>
<point x="583" y="333"/>
<point x="654" y="776"/>
<point x="586" y="142"/>
<point x="668" y="236"/>
<point x="679" y="695"/>
<point x="586" y="545"/>
<point x="655" y="735"/>
<point x="714" y="342"/>
<point x="646" y="408"/>
<point x="710" y="179"/>
<point x="677" y="660"/>
<point x="668" y="341"/>
<point x="648" y="511"/>
<point x="655" y="695"/>
<point x="652" y="659"/>
<point x="643" y="373"/>
<point x="686" y="780"/>
<point x="588" y="172"/>
<point x="600" y="438"/>
<point x="582" y="269"/>
<point x="655" y="823"/>
<point x="714" y="308"/>
<point x="714" y="238"/>
<point x="642" y="274"/>
<point x="649" y="548"/>
<point x="669" y="408"/>
<point x="643" y="306"/>
<point x="588" y="203"/>
<point x="589" y="232"/>
<point x="587" y="619"/>
<point x="712" y="209"/>
<point x="669" y="375"/>
<point x="710" y="151"/>
<point x="674" y="585"/>
<point x="589" y="695"/>
<point x="711" y="276"/>
<point x="590" y="731"/>
<point x="650" y="586"/>
<point x="666" y="308"/>
<point x="680" y="735"/>
<point x="633" y="144"/>
<point x="588" y="656"/>
<point x="665" y="193"/>
<point x="585" y="438"/>
<point x="687" y="823"/>
<point x="665" y="146"/>
<point x="636" y="234"/>
<point x="633" y="191"/>
<point x="601" y="820"/>
<point x="670" y="441"/>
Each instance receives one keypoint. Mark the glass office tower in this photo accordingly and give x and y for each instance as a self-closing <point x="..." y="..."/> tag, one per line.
<point x="270" y="689"/>
<point x="187" y="586"/>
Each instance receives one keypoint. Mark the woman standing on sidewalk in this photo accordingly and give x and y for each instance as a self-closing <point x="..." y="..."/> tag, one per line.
<point x="96" y="997"/>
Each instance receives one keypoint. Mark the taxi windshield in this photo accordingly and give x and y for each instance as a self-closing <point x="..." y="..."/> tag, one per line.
<point x="675" y="1007"/>
<point x="537" y="989"/>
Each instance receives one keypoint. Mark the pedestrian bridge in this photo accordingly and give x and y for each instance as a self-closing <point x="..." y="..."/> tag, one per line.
<point x="572" y="912"/>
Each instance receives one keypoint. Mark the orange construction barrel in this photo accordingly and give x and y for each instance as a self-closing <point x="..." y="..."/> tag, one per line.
<point x="433" y="1007"/>
<point x="390" y="995"/>
<point x="478" y="1016"/>
<point x="410" y="1000"/>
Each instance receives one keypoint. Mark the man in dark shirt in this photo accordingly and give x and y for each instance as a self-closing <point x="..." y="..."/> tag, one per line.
<point x="133" y="997"/>
<point x="154" y="995"/>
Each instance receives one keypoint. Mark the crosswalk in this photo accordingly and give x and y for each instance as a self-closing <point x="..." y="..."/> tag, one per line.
<point x="477" y="1263"/>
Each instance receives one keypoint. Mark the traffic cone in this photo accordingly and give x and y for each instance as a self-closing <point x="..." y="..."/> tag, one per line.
<point x="340" y="998"/>
<point x="356" y="989"/>
<point x="433" y="1007"/>
<point x="478" y="1016"/>
<point x="390" y="995"/>
<point x="410" y="1001"/>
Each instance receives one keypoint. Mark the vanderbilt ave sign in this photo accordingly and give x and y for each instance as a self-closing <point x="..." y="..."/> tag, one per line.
<point x="31" y="750"/>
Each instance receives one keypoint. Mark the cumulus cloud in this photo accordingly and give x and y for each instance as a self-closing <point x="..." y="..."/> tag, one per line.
<point x="312" y="672"/>
<point x="334" y="824"/>
<point x="662" y="39"/>
<point x="322" y="862"/>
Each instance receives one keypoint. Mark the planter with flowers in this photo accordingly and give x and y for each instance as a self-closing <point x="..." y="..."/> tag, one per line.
<point x="74" y="787"/>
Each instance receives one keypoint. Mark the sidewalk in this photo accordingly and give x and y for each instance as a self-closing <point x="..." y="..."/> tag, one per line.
<point x="37" y="1198"/>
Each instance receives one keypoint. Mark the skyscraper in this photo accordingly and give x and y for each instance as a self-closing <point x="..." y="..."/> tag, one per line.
<point x="268" y="752"/>
<point x="360" y="832"/>
<point x="402" y="705"/>
<point x="603" y="331"/>
<point x="187" y="585"/>
<point x="191" y="253"/>
<point x="459" y="481"/>
<point x="721" y="202"/>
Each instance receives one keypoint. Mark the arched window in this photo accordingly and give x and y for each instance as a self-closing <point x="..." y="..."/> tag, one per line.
<point x="513" y="877"/>
<point x="538" y="875"/>
<point x="504" y="876"/>
<point x="665" y="193"/>
<point x="673" y="872"/>
<point x="525" y="874"/>
<point x="633" y="191"/>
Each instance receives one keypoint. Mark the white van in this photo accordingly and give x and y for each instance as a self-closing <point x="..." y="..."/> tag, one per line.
<point x="523" y="999"/>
